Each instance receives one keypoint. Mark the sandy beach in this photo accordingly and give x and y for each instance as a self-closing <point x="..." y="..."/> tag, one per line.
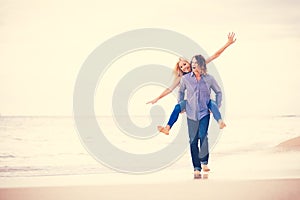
<point x="292" y="144"/>
<point x="74" y="71"/>
<point x="194" y="189"/>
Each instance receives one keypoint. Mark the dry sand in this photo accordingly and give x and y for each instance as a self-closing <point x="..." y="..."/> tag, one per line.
<point x="292" y="144"/>
<point x="194" y="189"/>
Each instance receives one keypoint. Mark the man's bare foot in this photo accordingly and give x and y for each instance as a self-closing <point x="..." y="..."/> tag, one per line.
<point x="164" y="130"/>
<point x="205" y="168"/>
<point x="197" y="174"/>
<point x="205" y="176"/>
<point x="221" y="124"/>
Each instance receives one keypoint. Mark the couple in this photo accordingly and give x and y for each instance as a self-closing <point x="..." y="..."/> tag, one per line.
<point x="197" y="83"/>
<point x="182" y="68"/>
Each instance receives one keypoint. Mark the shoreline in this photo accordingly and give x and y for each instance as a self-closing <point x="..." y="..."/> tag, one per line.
<point x="248" y="166"/>
<point x="167" y="176"/>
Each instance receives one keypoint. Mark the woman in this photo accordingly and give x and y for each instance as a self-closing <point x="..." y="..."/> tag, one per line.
<point x="183" y="67"/>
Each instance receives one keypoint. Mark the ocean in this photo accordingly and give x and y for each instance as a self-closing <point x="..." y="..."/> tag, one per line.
<point x="51" y="146"/>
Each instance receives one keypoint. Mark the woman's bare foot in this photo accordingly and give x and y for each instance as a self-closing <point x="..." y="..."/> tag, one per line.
<point x="205" y="168"/>
<point x="221" y="124"/>
<point x="164" y="130"/>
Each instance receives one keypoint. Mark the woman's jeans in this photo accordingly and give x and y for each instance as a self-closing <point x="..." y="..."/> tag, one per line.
<point x="212" y="106"/>
<point x="198" y="131"/>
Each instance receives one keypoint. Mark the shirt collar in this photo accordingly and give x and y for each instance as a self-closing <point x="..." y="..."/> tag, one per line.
<point x="202" y="75"/>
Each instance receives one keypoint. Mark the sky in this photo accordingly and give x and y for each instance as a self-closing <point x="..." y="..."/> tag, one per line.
<point x="43" y="45"/>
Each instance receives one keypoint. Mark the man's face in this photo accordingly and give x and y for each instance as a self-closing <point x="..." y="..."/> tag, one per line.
<point x="197" y="69"/>
<point x="195" y="66"/>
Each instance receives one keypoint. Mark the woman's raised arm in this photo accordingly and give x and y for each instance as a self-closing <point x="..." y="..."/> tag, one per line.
<point x="230" y="41"/>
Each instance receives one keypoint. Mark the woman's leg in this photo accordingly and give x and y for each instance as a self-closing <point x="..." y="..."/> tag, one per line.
<point x="173" y="118"/>
<point x="216" y="113"/>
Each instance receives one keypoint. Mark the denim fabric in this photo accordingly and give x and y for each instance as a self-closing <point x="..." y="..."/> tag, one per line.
<point x="198" y="131"/>
<point x="177" y="110"/>
<point x="212" y="106"/>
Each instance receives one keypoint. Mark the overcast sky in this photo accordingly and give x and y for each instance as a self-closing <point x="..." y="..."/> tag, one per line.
<point x="44" y="43"/>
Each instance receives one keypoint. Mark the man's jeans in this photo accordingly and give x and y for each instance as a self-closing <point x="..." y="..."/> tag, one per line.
<point x="198" y="130"/>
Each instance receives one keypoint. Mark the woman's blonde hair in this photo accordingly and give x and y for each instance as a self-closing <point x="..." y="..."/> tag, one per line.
<point x="177" y="71"/>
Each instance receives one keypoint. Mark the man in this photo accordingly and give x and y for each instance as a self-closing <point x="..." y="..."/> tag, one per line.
<point x="198" y="85"/>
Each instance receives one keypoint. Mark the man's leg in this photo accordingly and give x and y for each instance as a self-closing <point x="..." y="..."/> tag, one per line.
<point x="204" y="150"/>
<point x="193" y="130"/>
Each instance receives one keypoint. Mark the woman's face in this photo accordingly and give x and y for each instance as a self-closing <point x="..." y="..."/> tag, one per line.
<point x="184" y="66"/>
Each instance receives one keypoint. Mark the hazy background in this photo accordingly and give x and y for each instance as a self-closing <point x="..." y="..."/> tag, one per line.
<point x="44" y="43"/>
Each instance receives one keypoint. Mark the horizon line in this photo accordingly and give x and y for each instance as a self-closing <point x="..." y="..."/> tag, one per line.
<point x="72" y="116"/>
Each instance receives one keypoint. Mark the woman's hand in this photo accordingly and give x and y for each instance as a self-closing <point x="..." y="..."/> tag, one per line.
<point x="153" y="101"/>
<point x="231" y="38"/>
